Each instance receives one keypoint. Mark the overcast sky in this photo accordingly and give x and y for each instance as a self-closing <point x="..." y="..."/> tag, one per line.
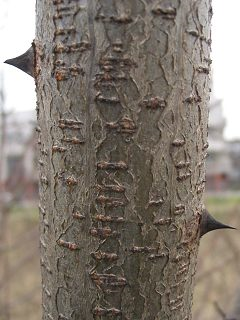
<point x="17" y="28"/>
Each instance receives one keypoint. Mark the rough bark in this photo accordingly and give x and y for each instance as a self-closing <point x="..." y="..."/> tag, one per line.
<point x="122" y="92"/>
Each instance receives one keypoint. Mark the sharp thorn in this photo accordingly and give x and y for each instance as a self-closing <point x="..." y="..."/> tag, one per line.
<point x="208" y="223"/>
<point x="25" y="62"/>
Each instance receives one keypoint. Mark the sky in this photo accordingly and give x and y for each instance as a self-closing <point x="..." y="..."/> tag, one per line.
<point x="17" y="31"/>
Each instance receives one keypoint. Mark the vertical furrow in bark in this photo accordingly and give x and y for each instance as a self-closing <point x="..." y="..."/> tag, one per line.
<point x="122" y="94"/>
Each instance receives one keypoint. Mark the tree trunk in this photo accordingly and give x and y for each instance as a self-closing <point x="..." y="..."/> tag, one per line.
<point x="122" y="92"/>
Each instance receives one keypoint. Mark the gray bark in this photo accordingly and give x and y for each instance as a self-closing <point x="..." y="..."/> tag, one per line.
<point x="122" y="92"/>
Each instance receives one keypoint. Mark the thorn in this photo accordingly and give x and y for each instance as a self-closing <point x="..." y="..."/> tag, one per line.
<point x="208" y="223"/>
<point x="25" y="62"/>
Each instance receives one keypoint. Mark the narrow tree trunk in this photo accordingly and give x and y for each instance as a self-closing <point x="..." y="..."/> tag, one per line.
<point x="122" y="106"/>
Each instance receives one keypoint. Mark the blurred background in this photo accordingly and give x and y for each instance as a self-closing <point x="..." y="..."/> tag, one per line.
<point x="217" y="293"/>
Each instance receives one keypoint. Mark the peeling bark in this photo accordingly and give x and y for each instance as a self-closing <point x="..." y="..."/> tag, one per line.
<point x="122" y="92"/>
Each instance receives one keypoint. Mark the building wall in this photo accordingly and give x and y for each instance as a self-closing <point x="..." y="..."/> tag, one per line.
<point x="19" y="164"/>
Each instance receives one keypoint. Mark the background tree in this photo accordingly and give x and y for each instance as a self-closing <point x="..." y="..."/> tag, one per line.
<point x="122" y="106"/>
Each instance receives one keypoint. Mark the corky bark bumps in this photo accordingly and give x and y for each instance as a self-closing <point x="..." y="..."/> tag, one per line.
<point x="122" y="92"/>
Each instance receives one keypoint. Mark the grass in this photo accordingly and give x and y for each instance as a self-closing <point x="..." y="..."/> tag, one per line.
<point x="222" y="205"/>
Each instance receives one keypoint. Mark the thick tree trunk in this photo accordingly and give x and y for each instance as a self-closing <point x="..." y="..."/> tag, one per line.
<point x="122" y="106"/>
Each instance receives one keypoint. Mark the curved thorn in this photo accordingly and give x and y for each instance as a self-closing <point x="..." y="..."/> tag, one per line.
<point x="208" y="223"/>
<point x="25" y="62"/>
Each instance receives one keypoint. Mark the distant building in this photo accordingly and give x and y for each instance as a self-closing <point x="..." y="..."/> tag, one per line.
<point x="234" y="152"/>
<point x="19" y="163"/>
<point x="218" y="164"/>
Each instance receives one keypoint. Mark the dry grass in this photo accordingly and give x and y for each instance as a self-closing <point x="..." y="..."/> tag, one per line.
<point x="20" y="292"/>
<point x="217" y="277"/>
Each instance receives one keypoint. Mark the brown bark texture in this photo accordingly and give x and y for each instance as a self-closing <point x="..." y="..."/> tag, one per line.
<point x="123" y="89"/>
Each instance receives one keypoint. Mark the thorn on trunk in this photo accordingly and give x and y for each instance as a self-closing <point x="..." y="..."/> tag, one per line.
<point x="25" y="62"/>
<point x="208" y="223"/>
